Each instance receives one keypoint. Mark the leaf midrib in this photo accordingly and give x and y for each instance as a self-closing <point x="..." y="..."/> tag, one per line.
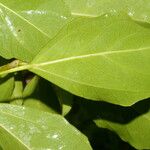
<point x="36" y="65"/>
<point x="24" y="19"/>
<point x="88" y="55"/>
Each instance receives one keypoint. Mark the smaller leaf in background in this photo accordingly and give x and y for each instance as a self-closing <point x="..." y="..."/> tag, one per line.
<point x="16" y="98"/>
<point x="37" y="104"/>
<point x="18" y="90"/>
<point x="18" y="102"/>
<point x="25" y="129"/>
<point x="17" y="95"/>
<point x="6" y="87"/>
<point x="6" y="82"/>
<point x="30" y="86"/>
<point x="65" y="99"/>
<point x="39" y="94"/>
<point x="136" y="130"/>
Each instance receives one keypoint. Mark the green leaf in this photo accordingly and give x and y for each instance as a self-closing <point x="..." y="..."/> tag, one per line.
<point x="17" y="102"/>
<point x="16" y="97"/>
<point x="31" y="86"/>
<point x="24" y="128"/>
<point x="99" y="58"/>
<point x="6" y="88"/>
<point x="65" y="99"/>
<point x="27" y="26"/>
<point x="29" y="97"/>
<point x="37" y="104"/>
<point x="136" y="132"/>
<point x="39" y="94"/>
<point x="18" y="90"/>
<point x="139" y="10"/>
<point x="6" y="83"/>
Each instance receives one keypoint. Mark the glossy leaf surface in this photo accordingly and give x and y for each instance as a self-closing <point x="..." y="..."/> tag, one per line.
<point x="100" y="58"/>
<point x="26" y="26"/>
<point x="22" y="128"/>
<point x="139" y="10"/>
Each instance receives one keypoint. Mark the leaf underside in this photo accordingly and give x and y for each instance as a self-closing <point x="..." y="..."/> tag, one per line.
<point x="100" y="58"/>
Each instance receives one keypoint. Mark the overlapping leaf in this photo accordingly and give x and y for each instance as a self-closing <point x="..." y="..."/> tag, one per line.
<point x="25" y="129"/>
<point x="26" y="26"/>
<point x="100" y="58"/>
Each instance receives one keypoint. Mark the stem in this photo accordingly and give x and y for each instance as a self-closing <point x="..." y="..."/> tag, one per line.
<point x="14" y="67"/>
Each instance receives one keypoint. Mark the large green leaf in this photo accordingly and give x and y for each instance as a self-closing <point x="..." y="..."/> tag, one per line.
<point x="91" y="8"/>
<point x="22" y="129"/>
<point x="26" y="26"/>
<point x="99" y="58"/>
<point x="136" y="132"/>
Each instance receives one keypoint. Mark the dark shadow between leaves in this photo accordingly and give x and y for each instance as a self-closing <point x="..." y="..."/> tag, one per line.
<point x="90" y="110"/>
<point x="1" y="148"/>
<point x="4" y="61"/>
<point x="104" y="139"/>
<point x="84" y="111"/>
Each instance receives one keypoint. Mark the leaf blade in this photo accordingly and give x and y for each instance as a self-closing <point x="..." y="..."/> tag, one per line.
<point x="21" y="24"/>
<point x="35" y="128"/>
<point x="108" y="57"/>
